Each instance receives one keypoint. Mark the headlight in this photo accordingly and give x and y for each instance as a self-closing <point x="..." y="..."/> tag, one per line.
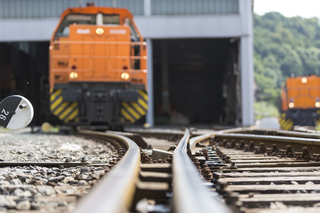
<point x="73" y="75"/>
<point x="317" y="104"/>
<point x="125" y="75"/>
<point x="99" y="31"/>
<point x="304" y="80"/>
<point x="291" y="105"/>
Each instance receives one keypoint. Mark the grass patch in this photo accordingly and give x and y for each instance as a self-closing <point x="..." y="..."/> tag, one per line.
<point x="265" y="109"/>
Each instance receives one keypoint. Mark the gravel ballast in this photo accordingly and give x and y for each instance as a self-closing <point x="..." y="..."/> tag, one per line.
<point x="55" y="189"/>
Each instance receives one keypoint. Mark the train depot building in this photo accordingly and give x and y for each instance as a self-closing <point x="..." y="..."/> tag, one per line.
<point x="200" y="57"/>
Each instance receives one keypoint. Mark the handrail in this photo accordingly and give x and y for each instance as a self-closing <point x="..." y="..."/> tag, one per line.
<point x="107" y="195"/>
<point x="189" y="192"/>
<point x="101" y="42"/>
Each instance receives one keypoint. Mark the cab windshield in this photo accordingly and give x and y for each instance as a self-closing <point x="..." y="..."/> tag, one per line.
<point x="84" y="19"/>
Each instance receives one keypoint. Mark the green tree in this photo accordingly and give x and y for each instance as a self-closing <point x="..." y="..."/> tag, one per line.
<point x="291" y="64"/>
<point x="284" y="47"/>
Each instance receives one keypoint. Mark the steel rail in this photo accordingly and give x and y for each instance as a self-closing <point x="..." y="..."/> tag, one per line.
<point x="189" y="192"/>
<point x="305" y="141"/>
<point x="299" y="134"/>
<point x="162" y="132"/>
<point x="195" y="140"/>
<point x="309" y="129"/>
<point x="157" y="131"/>
<point x="236" y="130"/>
<point x="276" y="131"/>
<point x="114" y="192"/>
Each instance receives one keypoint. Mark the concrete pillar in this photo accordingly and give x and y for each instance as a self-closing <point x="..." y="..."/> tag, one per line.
<point x="147" y="7"/>
<point x="165" y="77"/>
<point x="247" y="70"/>
<point x="150" y="114"/>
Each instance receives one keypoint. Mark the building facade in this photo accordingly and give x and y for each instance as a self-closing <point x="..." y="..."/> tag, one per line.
<point x="223" y="29"/>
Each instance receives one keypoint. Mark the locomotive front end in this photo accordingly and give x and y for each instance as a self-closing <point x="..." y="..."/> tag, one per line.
<point x="300" y="103"/>
<point x="98" y="68"/>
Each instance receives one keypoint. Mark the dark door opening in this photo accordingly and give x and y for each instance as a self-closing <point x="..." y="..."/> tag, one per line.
<point x="195" y="81"/>
<point x="200" y="86"/>
<point x="24" y="71"/>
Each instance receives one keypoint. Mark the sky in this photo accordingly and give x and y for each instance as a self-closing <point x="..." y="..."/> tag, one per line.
<point x="289" y="8"/>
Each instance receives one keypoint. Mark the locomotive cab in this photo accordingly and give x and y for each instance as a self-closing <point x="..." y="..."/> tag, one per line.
<point x="97" y="68"/>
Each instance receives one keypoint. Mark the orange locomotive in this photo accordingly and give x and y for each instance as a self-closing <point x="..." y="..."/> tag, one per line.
<point x="97" y="68"/>
<point x="300" y="102"/>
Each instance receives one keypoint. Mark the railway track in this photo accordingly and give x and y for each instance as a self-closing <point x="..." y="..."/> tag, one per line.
<point x="262" y="170"/>
<point x="131" y="186"/>
<point x="237" y="170"/>
<point x="170" y="186"/>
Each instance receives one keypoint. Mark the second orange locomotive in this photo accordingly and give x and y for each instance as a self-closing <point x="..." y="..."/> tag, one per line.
<point x="300" y="102"/>
<point x="98" y="68"/>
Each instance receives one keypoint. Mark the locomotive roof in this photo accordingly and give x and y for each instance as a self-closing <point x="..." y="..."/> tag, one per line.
<point x="307" y="76"/>
<point x="96" y="10"/>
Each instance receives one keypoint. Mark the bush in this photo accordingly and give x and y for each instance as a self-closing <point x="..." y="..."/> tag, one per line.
<point x="265" y="109"/>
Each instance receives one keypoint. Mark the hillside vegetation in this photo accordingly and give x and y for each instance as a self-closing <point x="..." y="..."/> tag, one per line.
<point x="284" y="47"/>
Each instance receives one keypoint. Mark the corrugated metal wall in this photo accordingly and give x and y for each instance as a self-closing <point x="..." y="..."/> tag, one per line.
<point x="192" y="7"/>
<point x="54" y="8"/>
